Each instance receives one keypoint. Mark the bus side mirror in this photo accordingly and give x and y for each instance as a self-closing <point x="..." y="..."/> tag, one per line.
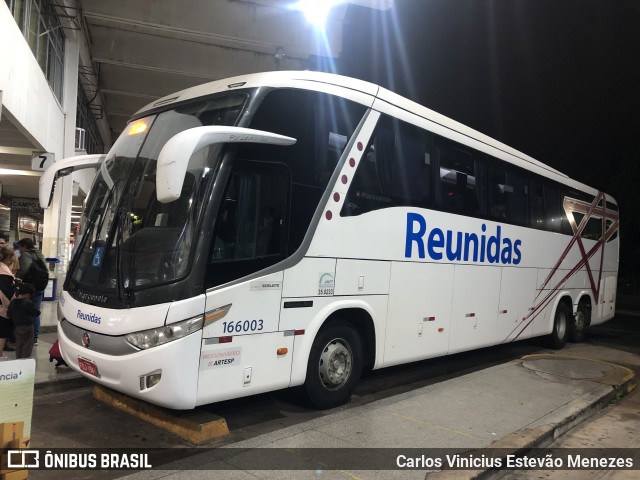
<point x="174" y="156"/>
<point x="60" y="169"/>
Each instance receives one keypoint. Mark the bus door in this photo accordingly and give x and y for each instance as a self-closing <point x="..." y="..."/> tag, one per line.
<point x="242" y="319"/>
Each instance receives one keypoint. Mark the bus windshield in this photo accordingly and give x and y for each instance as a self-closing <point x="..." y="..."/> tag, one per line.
<point x="129" y="239"/>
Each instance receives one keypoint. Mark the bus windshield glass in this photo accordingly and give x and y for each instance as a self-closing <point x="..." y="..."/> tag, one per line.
<point x="129" y="239"/>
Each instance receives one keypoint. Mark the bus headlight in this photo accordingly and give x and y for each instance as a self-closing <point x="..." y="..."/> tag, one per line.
<point x="168" y="333"/>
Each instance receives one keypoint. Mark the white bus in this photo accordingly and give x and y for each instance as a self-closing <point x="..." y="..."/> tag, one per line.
<point x="292" y="228"/>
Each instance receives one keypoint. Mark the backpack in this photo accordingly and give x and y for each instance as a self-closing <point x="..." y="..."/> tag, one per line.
<point x="37" y="275"/>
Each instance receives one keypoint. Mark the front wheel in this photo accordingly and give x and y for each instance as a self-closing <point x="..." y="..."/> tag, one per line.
<point x="558" y="337"/>
<point x="334" y="367"/>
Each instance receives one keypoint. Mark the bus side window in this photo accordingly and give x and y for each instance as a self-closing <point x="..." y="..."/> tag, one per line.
<point x="394" y="171"/>
<point x="556" y="219"/>
<point x="460" y="180"/>
<point x="507" y="194"/>
<point x="593" y="228"/>
<point x="249" y="232"/>
<point x="538" y="215"/>
<point x="322" y="126"/>
<point x="545" y="202"/>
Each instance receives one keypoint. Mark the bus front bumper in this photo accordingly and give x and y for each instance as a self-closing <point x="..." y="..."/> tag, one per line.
<point x="175" y="362"/>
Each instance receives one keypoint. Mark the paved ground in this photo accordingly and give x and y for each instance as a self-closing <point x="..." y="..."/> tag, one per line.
<point x="522" y="403"/>
<point x="529" y="401"/>
<point x="614" y="426"/>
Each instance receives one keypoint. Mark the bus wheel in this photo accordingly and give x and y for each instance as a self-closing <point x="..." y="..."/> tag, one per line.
<point x="334" y="367"/>
<point x="558" y="337"/>
<point x="577" y="328"/>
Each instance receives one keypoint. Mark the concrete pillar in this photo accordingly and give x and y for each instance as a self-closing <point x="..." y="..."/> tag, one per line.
<point x="57" y="219"/>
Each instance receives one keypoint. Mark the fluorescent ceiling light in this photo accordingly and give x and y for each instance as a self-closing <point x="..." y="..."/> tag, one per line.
<point x="316" y="11"/>
<point x="27" y="173"/>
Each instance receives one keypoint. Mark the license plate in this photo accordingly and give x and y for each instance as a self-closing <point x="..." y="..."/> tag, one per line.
<point x="88" y="366"/>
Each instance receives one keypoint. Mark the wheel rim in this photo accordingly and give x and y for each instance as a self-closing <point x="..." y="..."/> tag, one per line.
<point x="561" y="325"/>
<point x="336" y="363"/>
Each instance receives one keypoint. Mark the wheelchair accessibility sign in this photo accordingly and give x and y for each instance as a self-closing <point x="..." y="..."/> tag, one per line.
<point x="98" y="256"/>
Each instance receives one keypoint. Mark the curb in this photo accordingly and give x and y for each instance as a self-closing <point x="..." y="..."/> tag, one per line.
<point x="525" y="439"/>
<point x="195" y="427"/>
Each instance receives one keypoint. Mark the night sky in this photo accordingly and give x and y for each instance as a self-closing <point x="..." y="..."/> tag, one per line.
<point x="558" y="80"/>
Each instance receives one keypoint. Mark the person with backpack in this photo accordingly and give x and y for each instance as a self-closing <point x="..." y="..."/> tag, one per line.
<point x="34" y="271"/>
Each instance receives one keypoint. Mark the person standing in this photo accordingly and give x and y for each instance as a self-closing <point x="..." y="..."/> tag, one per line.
<point x="15" y="265"/>
<point x="16" y="251"/>
<point x="7" y="290"/>
<point x="23" y="312"/>
<point x="28" y="255"/>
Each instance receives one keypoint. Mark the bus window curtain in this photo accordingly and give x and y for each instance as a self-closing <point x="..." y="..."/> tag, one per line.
<point x="480" y="188"/>
<point x="411" y="178"/>
<point x="245" y="220"/>
<point x="384" y="146"/>
<point x="321" y="143"/>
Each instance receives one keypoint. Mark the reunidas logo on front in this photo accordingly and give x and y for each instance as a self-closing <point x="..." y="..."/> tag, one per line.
<point x="88" y="317"/>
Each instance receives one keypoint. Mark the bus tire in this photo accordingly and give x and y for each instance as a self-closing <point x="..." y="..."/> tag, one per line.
<point x="578" y="327"/>
<point x="558" y="337"/>
<point x="335" y="364"/>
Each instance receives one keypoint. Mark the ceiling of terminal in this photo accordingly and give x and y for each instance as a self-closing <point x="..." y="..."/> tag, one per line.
<point x="144" y="50"/>
<point x="139" y="51"/>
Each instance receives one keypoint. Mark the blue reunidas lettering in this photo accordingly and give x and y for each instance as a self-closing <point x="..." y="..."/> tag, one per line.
<point x="441" y="244"/>
<point x="88" y="317"/>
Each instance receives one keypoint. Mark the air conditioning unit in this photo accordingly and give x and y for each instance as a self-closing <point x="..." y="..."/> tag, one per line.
<point x="80" y="138"/>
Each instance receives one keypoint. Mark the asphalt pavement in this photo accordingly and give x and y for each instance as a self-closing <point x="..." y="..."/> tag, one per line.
<point x="516" y="405"/>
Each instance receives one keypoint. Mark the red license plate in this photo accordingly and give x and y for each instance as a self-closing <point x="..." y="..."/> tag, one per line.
<point x="88" y="366"/>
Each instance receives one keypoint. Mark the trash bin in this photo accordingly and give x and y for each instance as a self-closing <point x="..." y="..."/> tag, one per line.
<point x="52" y="261"/>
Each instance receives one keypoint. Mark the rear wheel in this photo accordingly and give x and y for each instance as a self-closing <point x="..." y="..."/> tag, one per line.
<point x="558" y="337"/>
<point x="334" y="367"/>
<point x="578" y="328"/>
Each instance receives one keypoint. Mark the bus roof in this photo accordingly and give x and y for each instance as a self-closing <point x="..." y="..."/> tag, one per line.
<point x="362" y="92"/>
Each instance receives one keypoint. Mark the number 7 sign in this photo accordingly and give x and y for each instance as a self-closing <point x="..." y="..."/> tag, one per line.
<point x="40" y="161"/>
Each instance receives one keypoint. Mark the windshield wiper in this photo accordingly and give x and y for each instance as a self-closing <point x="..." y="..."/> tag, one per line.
<point x="119" y="228"/>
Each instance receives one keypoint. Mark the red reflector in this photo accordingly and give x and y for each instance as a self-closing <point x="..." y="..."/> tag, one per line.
<point x="431" y="319"/>
<point x="441" y="329"/>
<point x="225" y="339"/>
<point x="298" y="332"/>
<point x="471" y="315"/>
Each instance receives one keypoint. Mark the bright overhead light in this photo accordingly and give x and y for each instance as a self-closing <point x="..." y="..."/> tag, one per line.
<point x="316" y="11"/>
<point x="27" y="173"/>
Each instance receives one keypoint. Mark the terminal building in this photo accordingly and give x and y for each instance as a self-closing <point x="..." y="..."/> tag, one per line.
<point x="73" y="71"/>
